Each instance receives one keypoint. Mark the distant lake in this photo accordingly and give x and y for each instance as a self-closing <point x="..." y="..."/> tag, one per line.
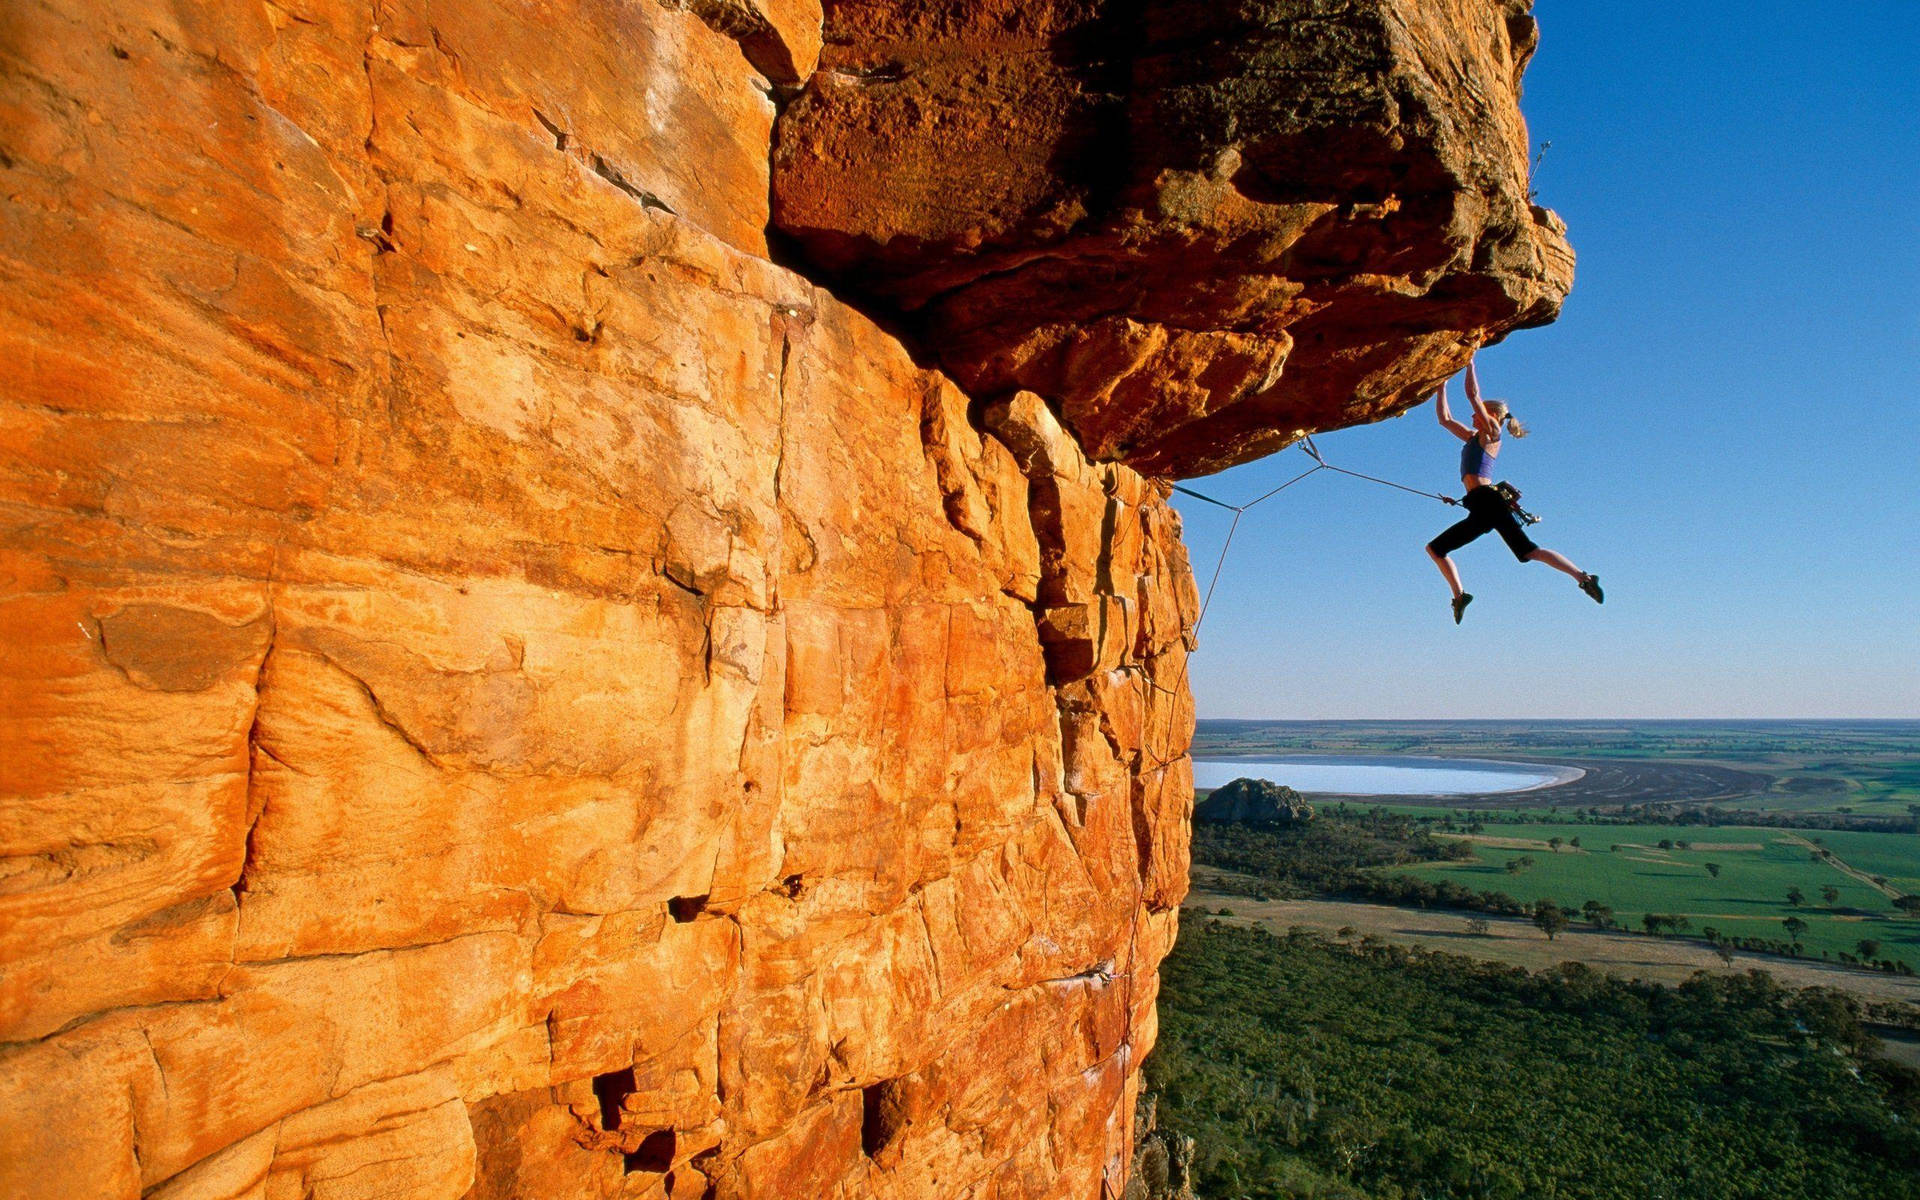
<point x="1377" y="775"/>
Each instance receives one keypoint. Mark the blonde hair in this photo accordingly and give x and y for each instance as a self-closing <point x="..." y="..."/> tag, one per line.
<point x="1502" y="415"/>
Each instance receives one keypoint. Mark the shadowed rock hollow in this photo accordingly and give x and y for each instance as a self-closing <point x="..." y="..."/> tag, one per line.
<point x="509" y="692"/>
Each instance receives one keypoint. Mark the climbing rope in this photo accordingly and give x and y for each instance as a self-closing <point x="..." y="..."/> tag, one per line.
<point x="1319" y="464"/>
<point x="1238" y="510"/>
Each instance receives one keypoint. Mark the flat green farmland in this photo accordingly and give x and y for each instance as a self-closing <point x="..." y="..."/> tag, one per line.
<point x="1624" y="868"/>
<point x="1896" y="856"/>
<point x="1867" y="786"/>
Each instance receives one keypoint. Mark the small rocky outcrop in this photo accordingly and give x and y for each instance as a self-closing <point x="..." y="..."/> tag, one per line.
<point x="1254" y="802"/>
<point x="1162" y="1167"/>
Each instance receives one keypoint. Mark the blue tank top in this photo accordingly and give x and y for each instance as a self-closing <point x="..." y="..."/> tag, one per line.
<point x="1476" y="459"/>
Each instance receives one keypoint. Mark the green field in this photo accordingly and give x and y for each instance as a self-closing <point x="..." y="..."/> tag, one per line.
<point x="1624" y="868"/>
<point x="1858" y="785"/>
<point x="1890" y="855"/>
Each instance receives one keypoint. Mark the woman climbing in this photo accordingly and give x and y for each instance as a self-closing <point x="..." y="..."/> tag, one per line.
<point x="1488" y="510"/>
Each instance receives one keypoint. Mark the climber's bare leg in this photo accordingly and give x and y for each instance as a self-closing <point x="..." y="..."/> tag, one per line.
<point x="1554" y="559"/>
<point x="1448" y="571"/>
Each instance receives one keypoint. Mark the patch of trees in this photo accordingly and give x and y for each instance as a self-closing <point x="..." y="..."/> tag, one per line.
<point x="1865" y="953"/>
<point x="1550" y="918"/>
<point x="1374" y="1072"/>
<point x="1326" y="855"/>
<point x="1336" y="855"/>
<point x="1715" y="816"/>
<point x="1709" y="815"/>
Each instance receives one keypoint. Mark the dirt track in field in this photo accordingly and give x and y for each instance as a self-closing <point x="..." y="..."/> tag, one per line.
<point x="1722" y="847"/>
<point x="1515" y="940"/>
<point x="1852" y="872"/>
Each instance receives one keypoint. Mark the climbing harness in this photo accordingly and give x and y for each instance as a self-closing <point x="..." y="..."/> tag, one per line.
<point x="1511" y="495"/>
<point x="1238" y="510"/>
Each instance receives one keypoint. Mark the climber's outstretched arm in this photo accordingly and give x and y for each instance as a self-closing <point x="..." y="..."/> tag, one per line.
<point x="1473" y="392"/>
<point x="1445" y="414"/>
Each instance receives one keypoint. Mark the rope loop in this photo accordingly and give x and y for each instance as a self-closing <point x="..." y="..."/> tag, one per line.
<point x="1240" y="510"/>
<point x="1320" y="464"/>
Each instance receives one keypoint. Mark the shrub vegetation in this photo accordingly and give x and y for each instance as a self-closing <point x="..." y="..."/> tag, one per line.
<point x="1372" y="1072"/>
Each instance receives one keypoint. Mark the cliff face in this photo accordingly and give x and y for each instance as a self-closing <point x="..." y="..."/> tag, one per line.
<point x="511" y="693"/>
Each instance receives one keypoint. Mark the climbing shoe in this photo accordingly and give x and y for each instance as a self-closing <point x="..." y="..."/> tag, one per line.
<point x="1460" y="603"/>
<point x="1591" y="586"/>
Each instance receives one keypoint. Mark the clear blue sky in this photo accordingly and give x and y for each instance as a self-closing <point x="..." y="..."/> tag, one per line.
<point x="1726" y="418"/>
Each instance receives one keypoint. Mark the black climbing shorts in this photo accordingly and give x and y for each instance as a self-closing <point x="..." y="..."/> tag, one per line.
<point x="1487" y="512"/>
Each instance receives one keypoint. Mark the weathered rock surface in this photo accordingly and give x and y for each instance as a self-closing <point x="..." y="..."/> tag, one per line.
<point x="1162" y="1159"/>
<point x="507" y="692"/>
<point x="1198" y="230"/>
<point x="510" y="693"/>
<point x="1254" y="802"/>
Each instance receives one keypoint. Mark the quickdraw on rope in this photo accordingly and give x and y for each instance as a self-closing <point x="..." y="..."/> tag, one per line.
<point x="1238" y="510"/>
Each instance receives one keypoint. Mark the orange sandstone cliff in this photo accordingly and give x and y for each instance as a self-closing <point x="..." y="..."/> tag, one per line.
<point x="587" y="606"/>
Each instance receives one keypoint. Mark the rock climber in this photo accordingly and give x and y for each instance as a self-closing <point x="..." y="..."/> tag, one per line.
<point x="1491" y="508"/>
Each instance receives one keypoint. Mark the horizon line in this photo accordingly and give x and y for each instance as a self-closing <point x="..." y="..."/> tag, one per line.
<point x="1562" y="720"/>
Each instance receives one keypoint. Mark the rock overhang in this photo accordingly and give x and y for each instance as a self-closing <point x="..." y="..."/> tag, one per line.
<point x="1198" y="230"/>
